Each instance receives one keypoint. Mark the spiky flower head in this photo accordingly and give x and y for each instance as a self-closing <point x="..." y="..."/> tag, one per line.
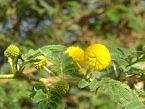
<point x="76" y="53"/>
<point x="61" y="87"/>
<point x="97" y="56"/>
<point x="12" y="51"/>
<point x="41" y="62"/>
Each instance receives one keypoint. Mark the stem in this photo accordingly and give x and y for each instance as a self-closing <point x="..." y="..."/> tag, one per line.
<point x="49" y="71"/>
<point x="13" y="64"/>
<point x="46" y="81"/>
<point x="7" y="76"/>
<point x="20" y="76"/>
<point x="115" y="70"/>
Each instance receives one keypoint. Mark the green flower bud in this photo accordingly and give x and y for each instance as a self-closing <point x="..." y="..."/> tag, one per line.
<point x="41" y="63"/>
<point x="12" y="52"/>
<point x="61" y="87"/>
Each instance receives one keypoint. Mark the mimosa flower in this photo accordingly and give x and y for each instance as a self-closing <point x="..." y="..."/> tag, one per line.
<point x="76" y="53"/>
<point x="97" y="56"/>
<point x="41" y="63"/>
<point x="12" y="51"/>
<point x="61" y="87"/>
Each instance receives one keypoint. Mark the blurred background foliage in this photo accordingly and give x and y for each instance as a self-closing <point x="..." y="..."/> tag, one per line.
<point x="35" y="23"/>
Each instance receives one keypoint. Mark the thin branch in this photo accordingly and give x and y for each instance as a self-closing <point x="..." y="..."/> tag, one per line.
<point x="7" y="76"/>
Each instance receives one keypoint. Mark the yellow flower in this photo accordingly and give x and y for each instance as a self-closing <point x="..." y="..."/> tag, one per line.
<point x="41" y="63"/>
<point x="12" y="51"/>
<point x="76" y="53"/>
<point x="97" y="56"/>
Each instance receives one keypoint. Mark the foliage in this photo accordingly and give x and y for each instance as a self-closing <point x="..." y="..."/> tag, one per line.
<point x="42" y="29"/>
<point x="14" y="96"/>
<point x="49" y="93"/>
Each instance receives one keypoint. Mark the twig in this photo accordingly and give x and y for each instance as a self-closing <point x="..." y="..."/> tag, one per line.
<point x="7" y="76"/>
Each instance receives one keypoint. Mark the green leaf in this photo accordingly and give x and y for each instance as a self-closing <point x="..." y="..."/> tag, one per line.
<point x="54" y="48"/>
<point x="83" y="83"/>
<point x="46" y="50"/>
<point x="43" y="105"/>
<point x="120" y="93"/>
<point x="62" y="64"/>
<point x="55" y="54"/>
<point x="39" y="96"/>
<point x="93" y="85"/>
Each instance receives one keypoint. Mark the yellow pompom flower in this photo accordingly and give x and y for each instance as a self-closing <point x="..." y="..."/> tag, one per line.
<point x="41" y="63"/>
<point x="76" y="53"/>
<point x="97" y="56"/>
<point x="12" y="51"/>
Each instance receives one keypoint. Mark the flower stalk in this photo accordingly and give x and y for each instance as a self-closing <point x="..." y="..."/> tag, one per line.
<point x="7" y="76"/>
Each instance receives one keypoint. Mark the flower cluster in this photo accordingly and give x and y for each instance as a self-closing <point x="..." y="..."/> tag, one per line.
<point x="96" y="56"/>
<point x="61" y="87"/>
<point x="41" y="62"/>
<point x="12" y="51"/>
